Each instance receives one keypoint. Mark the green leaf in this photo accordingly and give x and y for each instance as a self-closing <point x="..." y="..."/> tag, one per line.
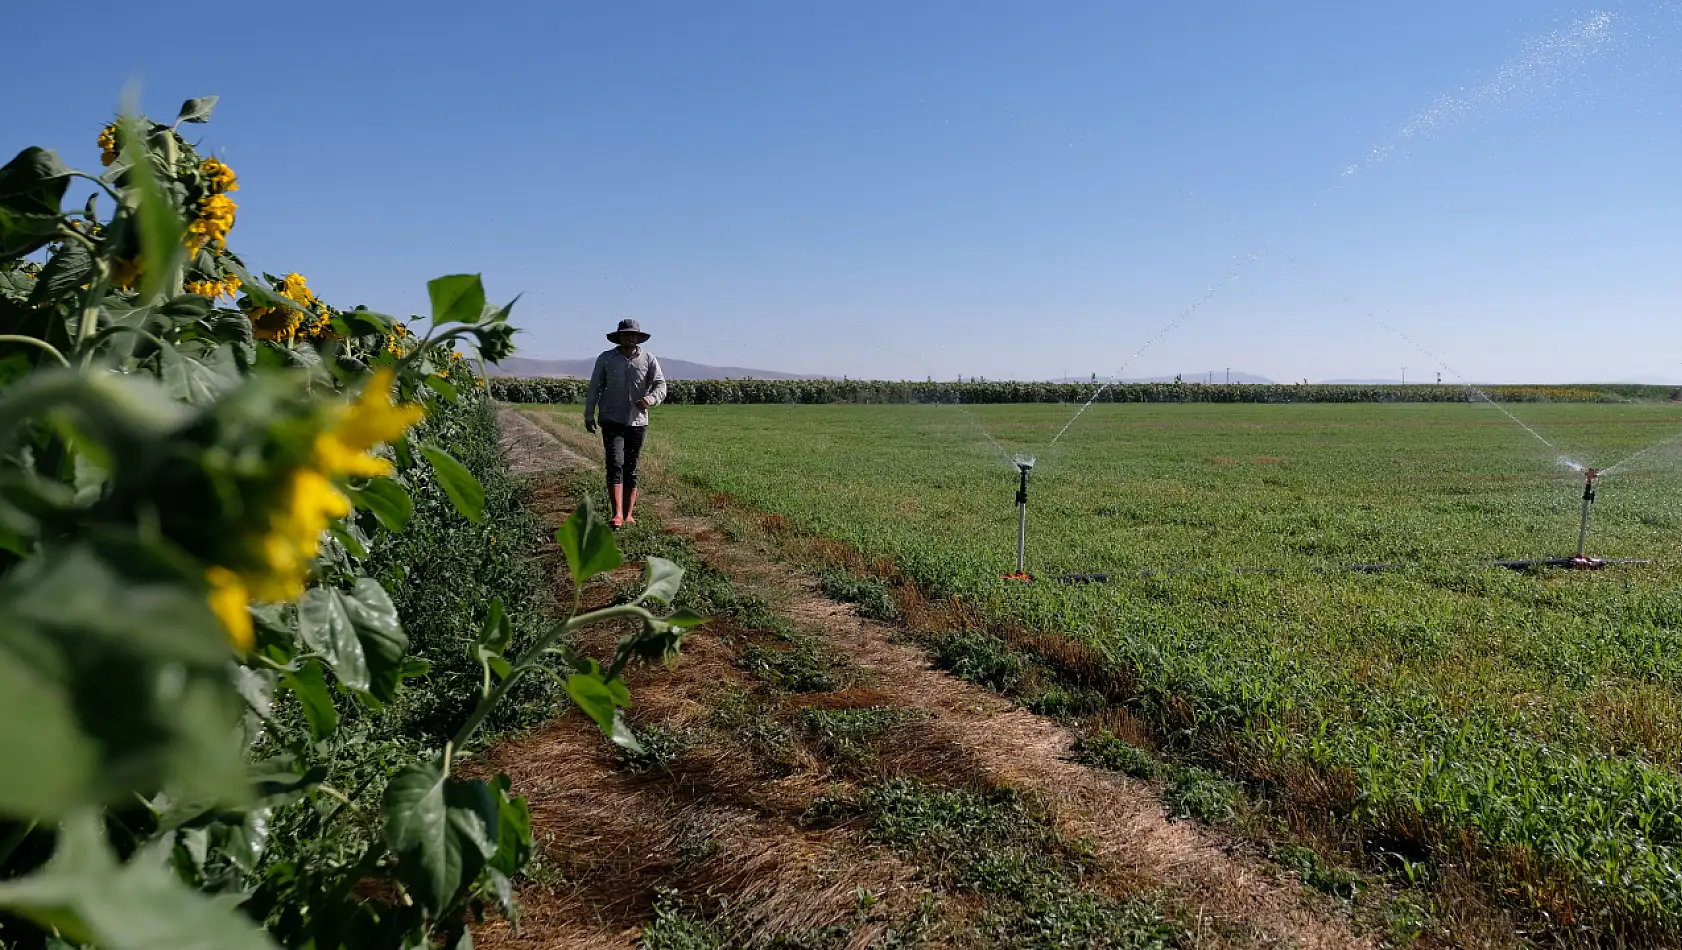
<point x="599" y="697"/>
<point x="22" y="234"/>
<point x="441" y="386"/>
<point x="464" y="490"/>
<point x="354" y="323"/>
<point x="246" y="841"/>
<point x="326" y="630"/>
<point x="256" y="687"/>
<point x="622" y="736"/>
<point x="591" y="694"/>
<point x="341" y="532"/>
<point x="389" y="501"/>
<point x="588" y="543"/>
<point x="380" y="631"/>
<point x="199" y="382"/>
<point x="87" y="897"/>
<point x="513" y="839"/>
<point x="34" y="181"/>
<point x="458" y="298"/>
<point x="359" y="635"/>
<point x="68" y="269"/>
<point x="160" y="226"/>
<point x="658" y="642"/>
<point x="444" y="830"/>
<point x="309" y="684"/>
<point x="127" y="676"/>
<point x="50" y="763"/>
<point x="186" y="308"/>
<point x="197" y="110"/>
<point x="685" y="619"/>
<point x="662" y="580"/>
<point x="497" y="632"/>
<point x="501" y="316"/>
<point x="32" y="186"/>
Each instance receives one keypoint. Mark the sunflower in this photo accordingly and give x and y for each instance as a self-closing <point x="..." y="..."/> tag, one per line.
<point x="229" y="601"/>
<point x="276" y="323"/>
<point x="227" y="287"/>
<point x="211" y="226"/>
<point x="283" y="323"/>
<point x="108" y="144"/>
<point x="306" y="503"/>
<point x="294" y="285"/>
<point x="221" y="177"/>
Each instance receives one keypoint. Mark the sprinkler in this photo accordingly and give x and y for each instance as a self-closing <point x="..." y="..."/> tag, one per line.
<point x="1583" y="526"/>
<point x="1024" y="464"/>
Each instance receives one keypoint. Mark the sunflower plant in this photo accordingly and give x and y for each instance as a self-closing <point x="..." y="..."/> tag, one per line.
<point x="195" y="461"/>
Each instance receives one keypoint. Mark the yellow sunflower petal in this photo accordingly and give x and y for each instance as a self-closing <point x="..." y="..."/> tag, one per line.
<point x="230" y="601"/>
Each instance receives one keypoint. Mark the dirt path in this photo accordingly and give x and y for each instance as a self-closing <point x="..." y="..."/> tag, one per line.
<point x="1232" y="896"/>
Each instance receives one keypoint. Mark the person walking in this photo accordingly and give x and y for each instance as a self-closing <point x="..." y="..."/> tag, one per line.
<point x="625" y="383"/>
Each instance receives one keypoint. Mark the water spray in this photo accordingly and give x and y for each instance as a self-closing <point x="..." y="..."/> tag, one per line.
<point x="1024" y="464"/>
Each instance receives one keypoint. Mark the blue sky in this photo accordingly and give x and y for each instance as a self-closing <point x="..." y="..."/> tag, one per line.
<point x="945" y="188"/>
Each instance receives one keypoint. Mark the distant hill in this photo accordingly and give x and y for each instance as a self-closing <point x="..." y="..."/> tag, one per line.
<point x="672" y="368"/>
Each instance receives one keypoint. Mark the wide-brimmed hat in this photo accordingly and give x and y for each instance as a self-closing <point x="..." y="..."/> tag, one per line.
<point x="628" y="328"/>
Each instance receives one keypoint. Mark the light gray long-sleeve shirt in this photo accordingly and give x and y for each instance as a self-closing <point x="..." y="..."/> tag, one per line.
<point x="618" y="381"/>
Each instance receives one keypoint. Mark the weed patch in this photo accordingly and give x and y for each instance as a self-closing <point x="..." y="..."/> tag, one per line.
<point x="871" y="596"/>
<point x="1194" y="792"/>
<point x="661" y="746"/>
<point x="676" y="927"/>
<point x="981" y="659"/>
<point x="850" y="733"/>
<point x="1316" y="872"/>
<point x="798" y="668"/>
<point x="1068" y="702"/>
<point x="1106" y="751"/>
<point x="754" y="724"/>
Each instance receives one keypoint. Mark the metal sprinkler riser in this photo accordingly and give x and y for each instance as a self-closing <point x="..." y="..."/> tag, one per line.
<point x="1023" y="467"/>
<point x="1588" y="499"/>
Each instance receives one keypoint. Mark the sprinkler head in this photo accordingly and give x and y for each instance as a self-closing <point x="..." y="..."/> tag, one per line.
<point x="1023" y="463"/>
<point x="1591" y="473"/>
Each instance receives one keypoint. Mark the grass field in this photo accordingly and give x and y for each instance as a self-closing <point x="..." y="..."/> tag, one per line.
<point x="1522" y="730"/>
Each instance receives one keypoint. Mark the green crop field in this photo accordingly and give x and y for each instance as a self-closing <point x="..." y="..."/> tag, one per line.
<point x="1524" y="726"/>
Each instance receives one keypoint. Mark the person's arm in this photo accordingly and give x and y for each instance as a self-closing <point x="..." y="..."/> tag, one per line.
<point x="656" y="384"/>
<point x="593" y="395"/>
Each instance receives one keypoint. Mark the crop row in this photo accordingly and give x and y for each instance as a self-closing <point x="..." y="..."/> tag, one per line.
<point x="825" y="391"/>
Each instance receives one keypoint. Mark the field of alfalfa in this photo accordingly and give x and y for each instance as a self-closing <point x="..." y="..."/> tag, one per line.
<point x="1455" y="727"/>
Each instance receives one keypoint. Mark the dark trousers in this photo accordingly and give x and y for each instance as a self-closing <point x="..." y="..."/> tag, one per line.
<point x="623" y="446"/>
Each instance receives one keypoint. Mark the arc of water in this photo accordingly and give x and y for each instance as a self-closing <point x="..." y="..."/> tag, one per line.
<point x="969" y="417"/>
<point x="1232" y="274"/>
<point x="1470" y="387"/>
<point x="1611" y="469"/>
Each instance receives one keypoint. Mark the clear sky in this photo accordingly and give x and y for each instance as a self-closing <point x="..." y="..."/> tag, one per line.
<point x="906" y="189"/>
